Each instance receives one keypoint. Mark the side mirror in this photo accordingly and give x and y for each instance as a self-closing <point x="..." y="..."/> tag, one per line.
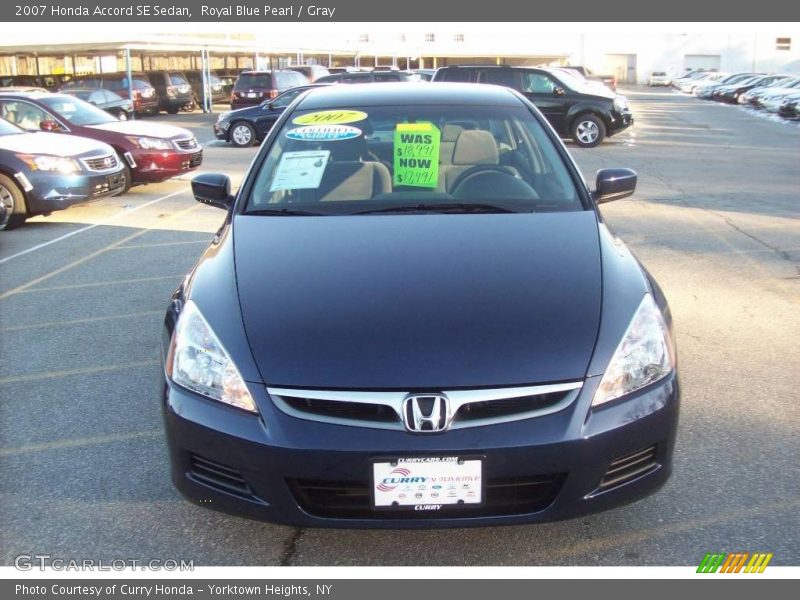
<point x="558" y="91"/>
<point x="213" y="189"/>
<point x="613" y="184"/>
<point x="48" y="126"/>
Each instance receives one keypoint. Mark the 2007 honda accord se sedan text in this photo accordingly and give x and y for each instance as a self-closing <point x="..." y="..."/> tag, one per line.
<point x="415" y="316"/>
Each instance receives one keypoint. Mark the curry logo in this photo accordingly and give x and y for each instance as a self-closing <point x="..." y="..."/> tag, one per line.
<point x="734" y="562"/>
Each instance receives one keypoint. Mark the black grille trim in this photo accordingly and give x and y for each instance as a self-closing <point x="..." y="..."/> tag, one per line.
<point x="344" y="410"/>
<point x="220" y="477"/>
<point x="627" y="468"/>
<point x="352" y="499"/>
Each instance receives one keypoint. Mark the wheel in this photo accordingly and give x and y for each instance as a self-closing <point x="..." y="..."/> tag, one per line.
<point x="242" y="134"/>
<point x="173" y="111"/>
<point x="13" y="210"/>
<point x="122" y="115"/>
<point x="588" y="131"/>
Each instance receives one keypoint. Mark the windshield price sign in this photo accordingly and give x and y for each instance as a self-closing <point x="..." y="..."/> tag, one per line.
<point x="416" y="154"/>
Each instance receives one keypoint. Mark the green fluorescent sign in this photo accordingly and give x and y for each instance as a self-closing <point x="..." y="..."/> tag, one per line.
<point x="416" y="154"/>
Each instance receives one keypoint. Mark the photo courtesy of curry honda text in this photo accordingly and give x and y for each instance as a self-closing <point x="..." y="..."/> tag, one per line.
<point x="415" y="316"/>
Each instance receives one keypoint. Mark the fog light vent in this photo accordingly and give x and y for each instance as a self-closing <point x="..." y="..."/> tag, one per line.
<point x="629" y="467"/>
<point x="218" y="476"/>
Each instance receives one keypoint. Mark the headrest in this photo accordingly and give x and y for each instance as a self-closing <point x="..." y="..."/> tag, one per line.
<point x="450" y="133"/>
<point x="476" y="147"/>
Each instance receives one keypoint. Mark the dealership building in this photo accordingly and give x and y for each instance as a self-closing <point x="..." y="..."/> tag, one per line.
<point x="629" y="51"/>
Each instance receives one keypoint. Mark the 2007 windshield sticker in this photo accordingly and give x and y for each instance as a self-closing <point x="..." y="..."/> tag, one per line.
<point x="416" y="154"/>
<point x="331" y="117"/>
<point x="323" y="133"/>
<point x="300" y="170"/>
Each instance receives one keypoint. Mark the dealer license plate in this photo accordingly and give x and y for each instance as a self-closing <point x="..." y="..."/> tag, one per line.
<point x="427" y="483"/>
<point x="252" y="95"/>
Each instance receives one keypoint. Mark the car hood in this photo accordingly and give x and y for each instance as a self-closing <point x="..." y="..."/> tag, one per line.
<point x="146" y="129"/>
<point x="419" y="301"/>
<point x="55" y="144"/>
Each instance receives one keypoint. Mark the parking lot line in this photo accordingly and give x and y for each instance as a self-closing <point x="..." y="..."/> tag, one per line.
<point x="80" y="442"/>
<point x="84" y="371"/>
<point x="73" y="286"/>
<point x="47" y="324"/>
<point x="95" y="254"/>
<point x="88" y="227"/>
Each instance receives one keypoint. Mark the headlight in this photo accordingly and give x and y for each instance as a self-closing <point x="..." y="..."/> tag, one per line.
<point x="198" y="362"/>
<point x="620" y="103"/>
<point x="45" y="162"/>
<point x="645" y="355"/>
<point x="151" y="143"/>
<point x="223" y="116"/>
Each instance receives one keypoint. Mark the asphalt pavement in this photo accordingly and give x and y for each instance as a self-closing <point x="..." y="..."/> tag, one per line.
<point x="83" y="465"/>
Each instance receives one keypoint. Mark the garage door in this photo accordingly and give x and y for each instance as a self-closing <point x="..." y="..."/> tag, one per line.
<point x="622" y="66"/>
<point x="701" y="61"/>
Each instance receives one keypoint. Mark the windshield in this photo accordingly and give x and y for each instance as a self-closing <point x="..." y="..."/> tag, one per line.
<point x="76" y="111"/>
<point x="7" y="128"/>
<point x="424" y="158"/>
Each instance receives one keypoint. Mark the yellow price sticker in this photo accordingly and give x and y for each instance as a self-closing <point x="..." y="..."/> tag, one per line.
<point x="331" y="117"/>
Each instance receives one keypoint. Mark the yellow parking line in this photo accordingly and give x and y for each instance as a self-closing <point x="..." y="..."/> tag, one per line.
<point x="159" y="244"/>
<point x="88" y="257"/>
<point x="80" y="442"/>
<point x="83" y="371"/>
<point x="47" y="324"/>
<point x="75" y="286"/>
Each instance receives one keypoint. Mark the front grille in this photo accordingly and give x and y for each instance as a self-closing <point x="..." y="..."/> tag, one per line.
<point x="384" y="410"/>
<point x="344" y="410"/>
<point x="186" y="143"/>
<point x="100" y="164"/>
<point x="218" y="476"/>
<point x="627" y="468"/>
<point x="352" y="500"/>
<point x="508" y="406"/>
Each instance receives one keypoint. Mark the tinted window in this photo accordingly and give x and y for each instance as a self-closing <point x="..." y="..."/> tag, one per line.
<point x="356" y="77"/>
<point x="177" y="79"/>
<point x="505" y="77"/>
<point x="286" y="98"/>
<point x="252" y="80"/>
<point x="458" y="75"/>
<point x="419" y="154"/>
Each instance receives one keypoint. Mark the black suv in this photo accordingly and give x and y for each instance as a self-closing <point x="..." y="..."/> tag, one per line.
<point x="174" y="91"/>
<point x="585" y="111"/>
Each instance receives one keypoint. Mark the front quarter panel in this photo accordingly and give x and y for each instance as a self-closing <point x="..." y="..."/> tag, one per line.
<point x="624" y="286"/>
<point x="211" y="284"/>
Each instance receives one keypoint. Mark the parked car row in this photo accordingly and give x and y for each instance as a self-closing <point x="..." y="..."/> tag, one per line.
<point x="774" y="93"/>
<point x="58" y="149"/>
<point x="585" y="110"/>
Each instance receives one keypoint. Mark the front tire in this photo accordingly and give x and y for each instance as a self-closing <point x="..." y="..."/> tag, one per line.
<point x="588" y="130"/>
<point x="173" y="111"/>
<point x="242" y="134"/>
<point x="13" y="210"/>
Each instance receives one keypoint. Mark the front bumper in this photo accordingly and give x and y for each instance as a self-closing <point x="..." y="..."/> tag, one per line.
<point x="220" y="132"/>
<point x="52" y="191"/>
<point x="154" y="166"/>
<point x="620" y="121"/>
<point x="305" y="473"/>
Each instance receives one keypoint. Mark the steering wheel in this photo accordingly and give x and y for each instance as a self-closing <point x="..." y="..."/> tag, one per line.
<point x="477" y="170"/>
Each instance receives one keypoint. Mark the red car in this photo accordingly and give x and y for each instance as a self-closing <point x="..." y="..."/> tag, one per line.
<point x="151" y="152"/>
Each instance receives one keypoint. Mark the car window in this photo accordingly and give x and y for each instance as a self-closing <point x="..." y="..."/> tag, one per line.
<point x="24" y="115"/>
<point x="177" y="79"/>
<point x="356" y="77"/>
<point x="372" y="157"/>
<point x="252" y="80"/>
<point x="76" y="111"/>
<point x="97" y="97"/>
<point x="286" y="98"/>
<point x="505" y="77"/>
<point x="7" y="128"/>
<point x="458" y="75"/>
<point x="537" y="83"/>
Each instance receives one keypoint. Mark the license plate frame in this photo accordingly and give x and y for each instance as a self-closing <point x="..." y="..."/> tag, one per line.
<point x="465" y="464"/>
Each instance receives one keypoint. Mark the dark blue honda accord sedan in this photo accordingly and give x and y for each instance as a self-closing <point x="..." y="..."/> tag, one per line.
<point x="414" y="316"/>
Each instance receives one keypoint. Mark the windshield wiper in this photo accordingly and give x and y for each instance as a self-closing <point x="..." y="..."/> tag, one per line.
<point x="284" y="212"/>
<point x="440" y="207"/>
